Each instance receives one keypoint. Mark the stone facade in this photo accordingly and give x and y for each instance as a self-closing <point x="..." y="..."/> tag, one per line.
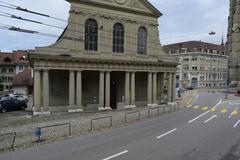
<point x="233" y="44"/>
<point x="108" y="57"/>
<point x="201" y="64"/>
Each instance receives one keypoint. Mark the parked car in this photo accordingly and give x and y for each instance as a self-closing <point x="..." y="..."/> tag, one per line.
<point x="12" y="104"/>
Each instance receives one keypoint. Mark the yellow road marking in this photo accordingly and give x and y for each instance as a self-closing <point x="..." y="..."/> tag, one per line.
<point x="196" y="107"/>
<point x="234" y="113"/>
<point x="224" y="110"/>
<point x="205" y="108"/>
<point x="214" y="109"/>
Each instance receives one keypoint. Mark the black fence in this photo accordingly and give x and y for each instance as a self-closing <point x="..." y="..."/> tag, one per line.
<point x="7" y="140"/>
<point x="100" y="118"/>
<point x="138" y="113"/>
<point x="39" y="130"/>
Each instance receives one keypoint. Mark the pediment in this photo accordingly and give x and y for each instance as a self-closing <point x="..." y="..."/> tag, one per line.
<point x="141" y="6"/>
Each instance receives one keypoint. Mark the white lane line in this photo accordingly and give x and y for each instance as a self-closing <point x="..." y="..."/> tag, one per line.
<point x="215" y="116"/>
<point x="116" y="155"/>
<point x="167" y="133"/>
<point x="198" y="117"/>
<point x="191" y="121"/>
<point x="236" y="124"/>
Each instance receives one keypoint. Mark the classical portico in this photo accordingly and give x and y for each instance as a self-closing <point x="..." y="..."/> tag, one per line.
<point x="116" y="66"/>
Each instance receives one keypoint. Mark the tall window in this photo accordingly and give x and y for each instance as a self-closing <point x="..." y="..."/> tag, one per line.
<point x="142" y="40"/>
<point x="91" y="35"/>
<point x="118" y="38"/>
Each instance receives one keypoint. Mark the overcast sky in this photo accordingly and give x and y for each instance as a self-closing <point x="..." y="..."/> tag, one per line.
<point x="182" y="20"/>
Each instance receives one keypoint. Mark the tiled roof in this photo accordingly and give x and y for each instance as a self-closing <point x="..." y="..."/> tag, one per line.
<point x="190" y="45"/>
<point x="15" y="58"/>
<point x="23" y="79"/>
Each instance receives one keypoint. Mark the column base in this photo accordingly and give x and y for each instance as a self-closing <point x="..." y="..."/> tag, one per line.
<point x="152" y="105"/>
<point x="41" y="113"/>
<point x="75" y="110"/>
<point x="104" y="108"/>
<point x="130" y="107"/>
<point x="172" y="103"/>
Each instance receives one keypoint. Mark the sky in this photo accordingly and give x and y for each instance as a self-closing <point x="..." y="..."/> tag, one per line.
<point x="182" y="20"/>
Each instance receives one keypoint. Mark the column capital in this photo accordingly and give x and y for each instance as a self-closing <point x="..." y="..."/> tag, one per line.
<point x="37" y="69"/>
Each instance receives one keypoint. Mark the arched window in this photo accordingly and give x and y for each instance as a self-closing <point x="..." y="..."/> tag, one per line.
<point x="118" y="38"/>
<point x="142" y="41"/>
<point x="91" y="35"/>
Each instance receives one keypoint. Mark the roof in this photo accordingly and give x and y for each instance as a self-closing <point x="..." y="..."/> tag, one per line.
<point x="190" y="45"/>
<point x="154" y="10"/>
<point x="23" y="79"/>
<point x="16" y="58"/>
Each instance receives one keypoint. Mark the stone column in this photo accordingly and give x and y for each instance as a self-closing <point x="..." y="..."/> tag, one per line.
<point x="173" y="87"/>
<point x="46" y="91"/>
<point x="127" y="89"/>
<point x="149" y="88"/>
<point x="37" y="92"/>
<point x="72" y="107"/>
<point x="169" y="96"/>
<point x="161" y="83"/>
<point x="107" y="91"/>
<point x="154" y="88"/>
<point x="79" y="91"/>
<point x="101" y="90"/>
<point x="133" y="89"/>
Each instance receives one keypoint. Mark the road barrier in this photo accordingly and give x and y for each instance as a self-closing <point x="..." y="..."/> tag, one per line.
<point x="7" y="140"/>
<point x="42" y="131"/>
<point x="126" y="115"/>
<point x="153" y="109"/>
<point x="100" y="118"/>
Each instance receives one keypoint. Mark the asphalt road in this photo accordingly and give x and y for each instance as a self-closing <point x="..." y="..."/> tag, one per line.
<point x="207" y="130"/>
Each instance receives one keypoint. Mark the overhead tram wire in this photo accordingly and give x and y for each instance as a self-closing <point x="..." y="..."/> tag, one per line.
<point x="8" y="15"/>
<point x="17" y="29"/>
<point x="15" y="7"/>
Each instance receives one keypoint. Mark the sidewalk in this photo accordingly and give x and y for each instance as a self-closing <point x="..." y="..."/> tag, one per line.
<point x="25" y="125"/>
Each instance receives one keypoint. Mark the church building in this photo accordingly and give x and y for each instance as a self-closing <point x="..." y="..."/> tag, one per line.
<point x="108" y="57"/>
<point x="233" y="44"/>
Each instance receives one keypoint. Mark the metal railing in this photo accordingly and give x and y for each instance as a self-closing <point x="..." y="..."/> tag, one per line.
<point x="10" y="140"/>
<point x="100" y="118"/>
<point x="39" y="130"/>
<point x="126" y="115"/>
<point x="153" y="109"/>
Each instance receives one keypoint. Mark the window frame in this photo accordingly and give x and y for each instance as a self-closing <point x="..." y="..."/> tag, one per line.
<point x="118" y="38"/>
<point x="91" y="39"/>
<point x="142" y="41"/>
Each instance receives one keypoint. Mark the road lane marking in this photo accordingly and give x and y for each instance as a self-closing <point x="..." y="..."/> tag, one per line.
<point x="189" y="106"/>
<point x="224" y="110"/>
<point x="196" y="107"/>
<point x="205" y="108"/>
<point x="167" y="133"/>
<point x="234" y="113"/>
<point x="116" y="155"/>
<point x="214" y="109"/>
<point x="236" y="124"/>
<point x="199" y="117"/>
<point x="215" y="116"/>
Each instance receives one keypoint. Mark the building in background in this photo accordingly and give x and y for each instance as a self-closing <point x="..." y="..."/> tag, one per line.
<point x="201" y="64"/>
<point x="12" y="64"/>
<point x="23" y="82"/>
<point x="233" y="43"/>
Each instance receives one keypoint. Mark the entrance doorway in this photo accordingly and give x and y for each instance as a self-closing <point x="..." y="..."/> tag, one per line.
<point x="113" y="96"/>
